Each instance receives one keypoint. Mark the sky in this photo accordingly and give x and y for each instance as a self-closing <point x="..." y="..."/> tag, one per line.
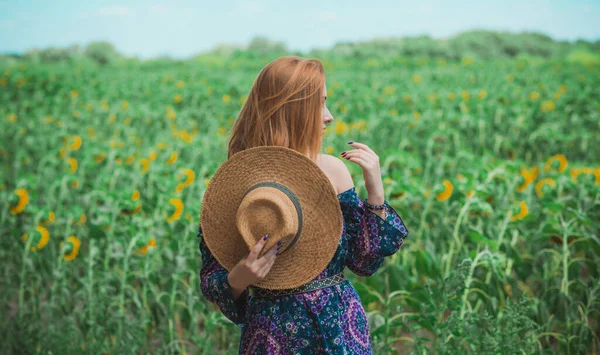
<point x="181" y="28"/>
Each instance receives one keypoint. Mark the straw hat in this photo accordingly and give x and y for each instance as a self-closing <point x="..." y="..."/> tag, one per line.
<point x="277" y="191"/>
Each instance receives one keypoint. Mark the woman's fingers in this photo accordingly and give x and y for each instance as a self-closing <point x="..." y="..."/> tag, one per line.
<point x="357" y="156"/>
<point x="362" y="146"/>
<point x="365" y="155"/>
<point x="268" y="260"/>
<point x="357" y="161"/>
<point x="355" y="153"/>
<point x="266" y="257"/>
<point x="256" y="250"/>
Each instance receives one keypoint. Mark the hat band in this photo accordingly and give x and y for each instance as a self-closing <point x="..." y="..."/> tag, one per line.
<point x="294" y="200"/>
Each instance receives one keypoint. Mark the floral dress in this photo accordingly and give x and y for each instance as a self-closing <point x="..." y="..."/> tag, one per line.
<point x="331" y="320"/>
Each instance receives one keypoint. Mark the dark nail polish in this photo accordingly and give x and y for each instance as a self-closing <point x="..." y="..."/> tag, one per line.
<point x="265" y="237"/>
<point x="344" y="154"/>
<point x="350" y="142"/>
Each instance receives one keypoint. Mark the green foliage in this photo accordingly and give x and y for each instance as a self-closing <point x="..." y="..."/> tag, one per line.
<point x="262" y="45"/>
<point x="479" y="44"/>
<point x="502" y="262"/>
<point x="98" y="52"/>
<point x="584" y="57"/>
<point x="511" y="332"/>
<point x="102" y="52"/>
<point x="54" y="54"/>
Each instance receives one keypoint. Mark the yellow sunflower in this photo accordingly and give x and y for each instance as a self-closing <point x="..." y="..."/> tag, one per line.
<point x="444" y="195"/>
<point x="23" y="201"/>
<point x="178" y="204"/>
<point x="74" y="250"/>
<point x="44" y="238"/>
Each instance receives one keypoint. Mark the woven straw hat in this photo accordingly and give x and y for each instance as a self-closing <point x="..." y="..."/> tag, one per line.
<point x="277" y="191"/>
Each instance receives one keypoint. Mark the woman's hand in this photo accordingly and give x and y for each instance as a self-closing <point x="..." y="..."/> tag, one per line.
<point x="369" y="161"/>
<point x="249" y="270"/>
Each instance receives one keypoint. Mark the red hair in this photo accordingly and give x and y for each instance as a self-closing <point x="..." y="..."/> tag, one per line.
<point x="284" y="108"/>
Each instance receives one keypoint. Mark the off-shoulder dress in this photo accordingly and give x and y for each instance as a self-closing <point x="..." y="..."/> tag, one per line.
<point x="331" y="320"/>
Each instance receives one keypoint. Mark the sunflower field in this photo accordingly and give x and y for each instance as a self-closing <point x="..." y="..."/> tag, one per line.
<point x="494" y="165"/>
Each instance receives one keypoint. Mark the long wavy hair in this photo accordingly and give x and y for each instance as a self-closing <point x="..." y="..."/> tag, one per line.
<point x="284" y="108"/>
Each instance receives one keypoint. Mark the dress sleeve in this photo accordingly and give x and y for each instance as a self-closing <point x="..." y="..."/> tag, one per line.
<point x="370" y="238"/>
<point x="216" y="288"/>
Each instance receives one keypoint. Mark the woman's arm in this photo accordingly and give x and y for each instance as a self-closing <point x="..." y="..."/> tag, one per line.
<point x="215" y="286"/>
<point x="371" y="236"/>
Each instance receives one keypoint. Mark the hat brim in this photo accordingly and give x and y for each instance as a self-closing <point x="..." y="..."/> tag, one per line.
<point x="322" y="224"/>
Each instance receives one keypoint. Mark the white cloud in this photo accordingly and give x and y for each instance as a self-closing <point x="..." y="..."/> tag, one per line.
<point x="108" y="11"/>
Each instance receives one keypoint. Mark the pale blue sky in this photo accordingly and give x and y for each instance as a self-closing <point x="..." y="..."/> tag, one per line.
<point x="182" y="28"/>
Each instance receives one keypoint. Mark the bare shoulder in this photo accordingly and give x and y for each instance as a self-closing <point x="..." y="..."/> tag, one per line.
<point x="337" y="170"/>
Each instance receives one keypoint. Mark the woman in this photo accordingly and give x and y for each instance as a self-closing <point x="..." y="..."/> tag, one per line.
<point x="287" y="107"/>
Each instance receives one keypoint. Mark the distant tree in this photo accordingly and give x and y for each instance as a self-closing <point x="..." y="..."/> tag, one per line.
<point x="263" y="45"/>
<point x="54" y="54"/>
<point x="225" y="50"/>
<point x="482" y="44"/>
<point x="7" y="59"/>
<point x="102" y="52"/>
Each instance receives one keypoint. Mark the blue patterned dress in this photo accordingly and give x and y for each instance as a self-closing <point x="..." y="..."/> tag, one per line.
<point x="331" y="320"/>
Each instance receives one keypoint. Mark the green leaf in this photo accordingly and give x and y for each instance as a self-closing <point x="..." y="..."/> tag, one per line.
<point x="477" y="237"/>
<point x="553" y="207"/>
